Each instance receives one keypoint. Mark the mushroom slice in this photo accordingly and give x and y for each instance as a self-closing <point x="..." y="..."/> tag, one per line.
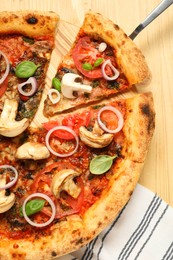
<point x="8" y="125"/>
<point x="6" y="202"/>
<point x="97" y="138"/>
<point x="32" y="150"/>
<point x="69" y="85"/>
<point x="63" y="180"/>
<point x="97" y="130"/>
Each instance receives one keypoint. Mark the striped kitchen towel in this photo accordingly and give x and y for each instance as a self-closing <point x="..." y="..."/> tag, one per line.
<point x="143" y="230"/>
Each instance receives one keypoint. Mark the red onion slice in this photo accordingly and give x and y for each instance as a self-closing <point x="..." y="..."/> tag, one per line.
<point x="66" y="129"/>
<point x="116" y="72"/>
<point x="7" y="67"/>
<point x="118" y="114"/>
<point x="49" y="200"/>
<point x="52" y="92"/>
<point x="11" y="183"/>
<point x="33" y="83"/>
<point x="102" y="47"/>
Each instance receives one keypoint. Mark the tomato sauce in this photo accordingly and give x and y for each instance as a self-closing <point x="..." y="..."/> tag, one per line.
<point x="13" y="47"/>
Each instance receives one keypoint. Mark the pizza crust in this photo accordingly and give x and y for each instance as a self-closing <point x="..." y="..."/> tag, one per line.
<point x="129" y="57"/>
<point x="28" y="23"/>
<point x="139" y="126"/>
<point x="63" y="239"/>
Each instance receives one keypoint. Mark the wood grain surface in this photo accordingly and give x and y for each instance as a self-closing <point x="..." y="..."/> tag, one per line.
<point x="156" y="43"/>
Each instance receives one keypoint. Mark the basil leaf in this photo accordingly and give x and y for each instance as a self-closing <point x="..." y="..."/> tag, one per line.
<point x="98" y="62"/>
<point x="33" y="206"/>
<point x="101" y="164"/>
<point x="56" y="83"/>
<point x="87" y="66"/>
<point x="26" y="69"/>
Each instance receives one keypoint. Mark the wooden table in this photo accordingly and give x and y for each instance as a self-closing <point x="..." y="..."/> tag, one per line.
<point x="156" y="43"/>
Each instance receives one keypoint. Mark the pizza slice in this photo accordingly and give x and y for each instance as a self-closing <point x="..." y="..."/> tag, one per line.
<point x="55" y="204"/>
<point x="26" y="43"/>
<point x="103" y="61"/>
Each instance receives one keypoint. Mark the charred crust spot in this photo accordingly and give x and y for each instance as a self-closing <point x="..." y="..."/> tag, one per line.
<point x="110" y="34"/>
<point x="5" y="20"/>
<point x="91" y="26"/>
<point x="125" y="35"/>
<point x="145" y="108"/>
<point x="75" y="231"/>
<point x="130" y="193"/>
<point x="106" y="218"/>
<point x="32" y="20"/>
<point x="18" y="256"/>
<point x="80" y="241"/>
<point x="116" y="27"/>
<point x="15" y="246"/>
<point x="54" y="253"/>
<point x="99" y="23"/>
<point x="99" y="224"/>
<point x="9" y="18"/>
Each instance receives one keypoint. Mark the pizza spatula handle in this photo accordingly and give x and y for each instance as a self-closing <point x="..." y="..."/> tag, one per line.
<point x="156" y="12"/>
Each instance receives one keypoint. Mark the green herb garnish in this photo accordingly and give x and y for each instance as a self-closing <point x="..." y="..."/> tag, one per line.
<point x="56" y="83"/>
<point x="26" y="69"/>
<point x="28" y="113"/>
<point x="101" y="164"/>
<point x="97" y="107"/>
<point x="98" y="62"/>
<point x="33" y="206"/>
<point x="87" y="66"/>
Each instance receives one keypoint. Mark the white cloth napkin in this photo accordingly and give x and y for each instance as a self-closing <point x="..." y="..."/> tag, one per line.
<point x="143" y="230"/>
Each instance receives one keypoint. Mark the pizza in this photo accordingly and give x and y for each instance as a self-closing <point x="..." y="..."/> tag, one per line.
<point x="88" y="177"/>
<point x="64" y="181"/>
<point x="26" y="43"/>
<point x="103" y="61"/>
